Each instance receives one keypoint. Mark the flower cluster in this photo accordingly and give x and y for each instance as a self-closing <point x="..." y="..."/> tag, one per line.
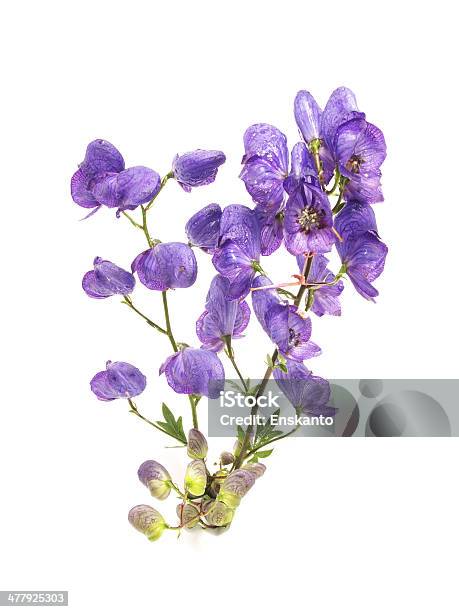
<point x="312" y="201"/>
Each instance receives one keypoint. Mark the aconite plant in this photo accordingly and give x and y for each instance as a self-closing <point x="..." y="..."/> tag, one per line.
<point x="318" y="198"/>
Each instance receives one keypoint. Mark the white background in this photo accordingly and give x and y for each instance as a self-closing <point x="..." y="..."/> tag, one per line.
<point x="347" y="524"/>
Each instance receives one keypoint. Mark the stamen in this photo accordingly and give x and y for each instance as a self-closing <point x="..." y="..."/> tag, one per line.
<point x="340" y="238"/>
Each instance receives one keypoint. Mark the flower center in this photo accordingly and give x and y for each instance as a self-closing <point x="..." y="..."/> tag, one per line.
<point x="293" y="338"/>
<point x="309" y="218"/>
<point x="353" y="165"/>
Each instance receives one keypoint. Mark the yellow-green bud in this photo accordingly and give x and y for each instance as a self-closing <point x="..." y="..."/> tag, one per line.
<point x="196" y="477"/>
<point x="197" y="444"/>
<point x="155" y="476"/>
<point x="148" y="521"/>
<point x="219" y="514"/>
<point x="188" y="515"/>
<point x="235" y="487"/>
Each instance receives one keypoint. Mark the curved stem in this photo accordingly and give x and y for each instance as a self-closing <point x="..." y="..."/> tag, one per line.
<point x="128" y="302"/>
<point x="133" y="221"/>
<point x="145" y="227"/>
<point x="134" y="410"/>
<point x="164" y="180"/>
<point x="168" y="322"/>
<point x="231" y="357"/>
<point x="335" y="183"/>
<point x="194" y="414"/>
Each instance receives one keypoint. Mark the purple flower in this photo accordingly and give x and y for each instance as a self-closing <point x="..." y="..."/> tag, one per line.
<point x="307" y="393"/>
<point x="222" y="317"/>
<point x="168" y="265"/>
<point x="362" y="251"/>
<point x="128" y="189"/>
<point x="102" y="179"/>
<point x="326" y="299"/>
<point x="308" y="224"/>
<point x="238" y="256"/>
<point x="291" y="332"/>
<point x="355" y="219"/>
<point x="340" y="108"/>
<point x="197" y="168"/>
<point x="203" y="228"/>
<point x="107" y="279"/>
<point x="264" y="299"/>
<point x="265" y="163"/>
<point x="119" y="380"/>
<point x="194" y="372"/>
<point x="307" y="115"/>
<point x="360" y="150"/>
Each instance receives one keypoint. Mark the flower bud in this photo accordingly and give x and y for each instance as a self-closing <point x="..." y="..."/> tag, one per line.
<point x="235" y="487"/>
<point x="197" y="444"/>
<point x="196" y="477"/>
<point x="188" y="515"/>
<point x="227" y="458"/>
<point x="197" y="168"/>
<point x="148" y="521"/>
<point x="219" y="514"/>
<point x="257" y="469"/>
<point x="155" y="476"/>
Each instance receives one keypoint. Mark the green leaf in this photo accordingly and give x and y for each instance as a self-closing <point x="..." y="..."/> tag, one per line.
<point x="172" y="426"/>
<point x="263" y="454"/>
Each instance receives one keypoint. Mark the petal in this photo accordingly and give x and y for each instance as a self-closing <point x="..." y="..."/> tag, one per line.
<point x="263" y="299"/>
<point x="240" y="224"/>
<point x="101" y="388"/>
<point x="197" y="168"/>
<point x="341" y="107"/>
<point x="263" y="182"/>
<point x="101" y="158"/>
<point x="267" y="142"/>
<point x="125" y="379"/>
<point x="107" y="279"/>
<point x="362" y="139"/>
<point x="168" y="265"/>
<point x="242" y="318"/>
<point x="203" y="229"/>
<point x="93" y="287"/>
<point x="128" y="189"/>
<point x="195" y="371"/>
<point x="326" y="300"/>
<point x="355" y="219"/>
<point x="208" y="332"/>
<point x="307" y="115"/>
<point x="230" y="259"/>
<point x="80" y="191"/>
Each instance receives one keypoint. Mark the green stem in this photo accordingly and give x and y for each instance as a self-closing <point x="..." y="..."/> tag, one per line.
<point x="133" y="221"/>
<point x="134" y="410"/>
<point x="335" y="183"/>
<point x="340" y="204"/>
<point x="169" y="333"/>
<point x="231" y="357"/>
<point x="128" y="302"/>
<point x="259" y="446"/>
<point x="164" y="180"/>
<point x="246" y="441"/>
<point x="145" y="227"/>
<point x="194" y="413"/>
